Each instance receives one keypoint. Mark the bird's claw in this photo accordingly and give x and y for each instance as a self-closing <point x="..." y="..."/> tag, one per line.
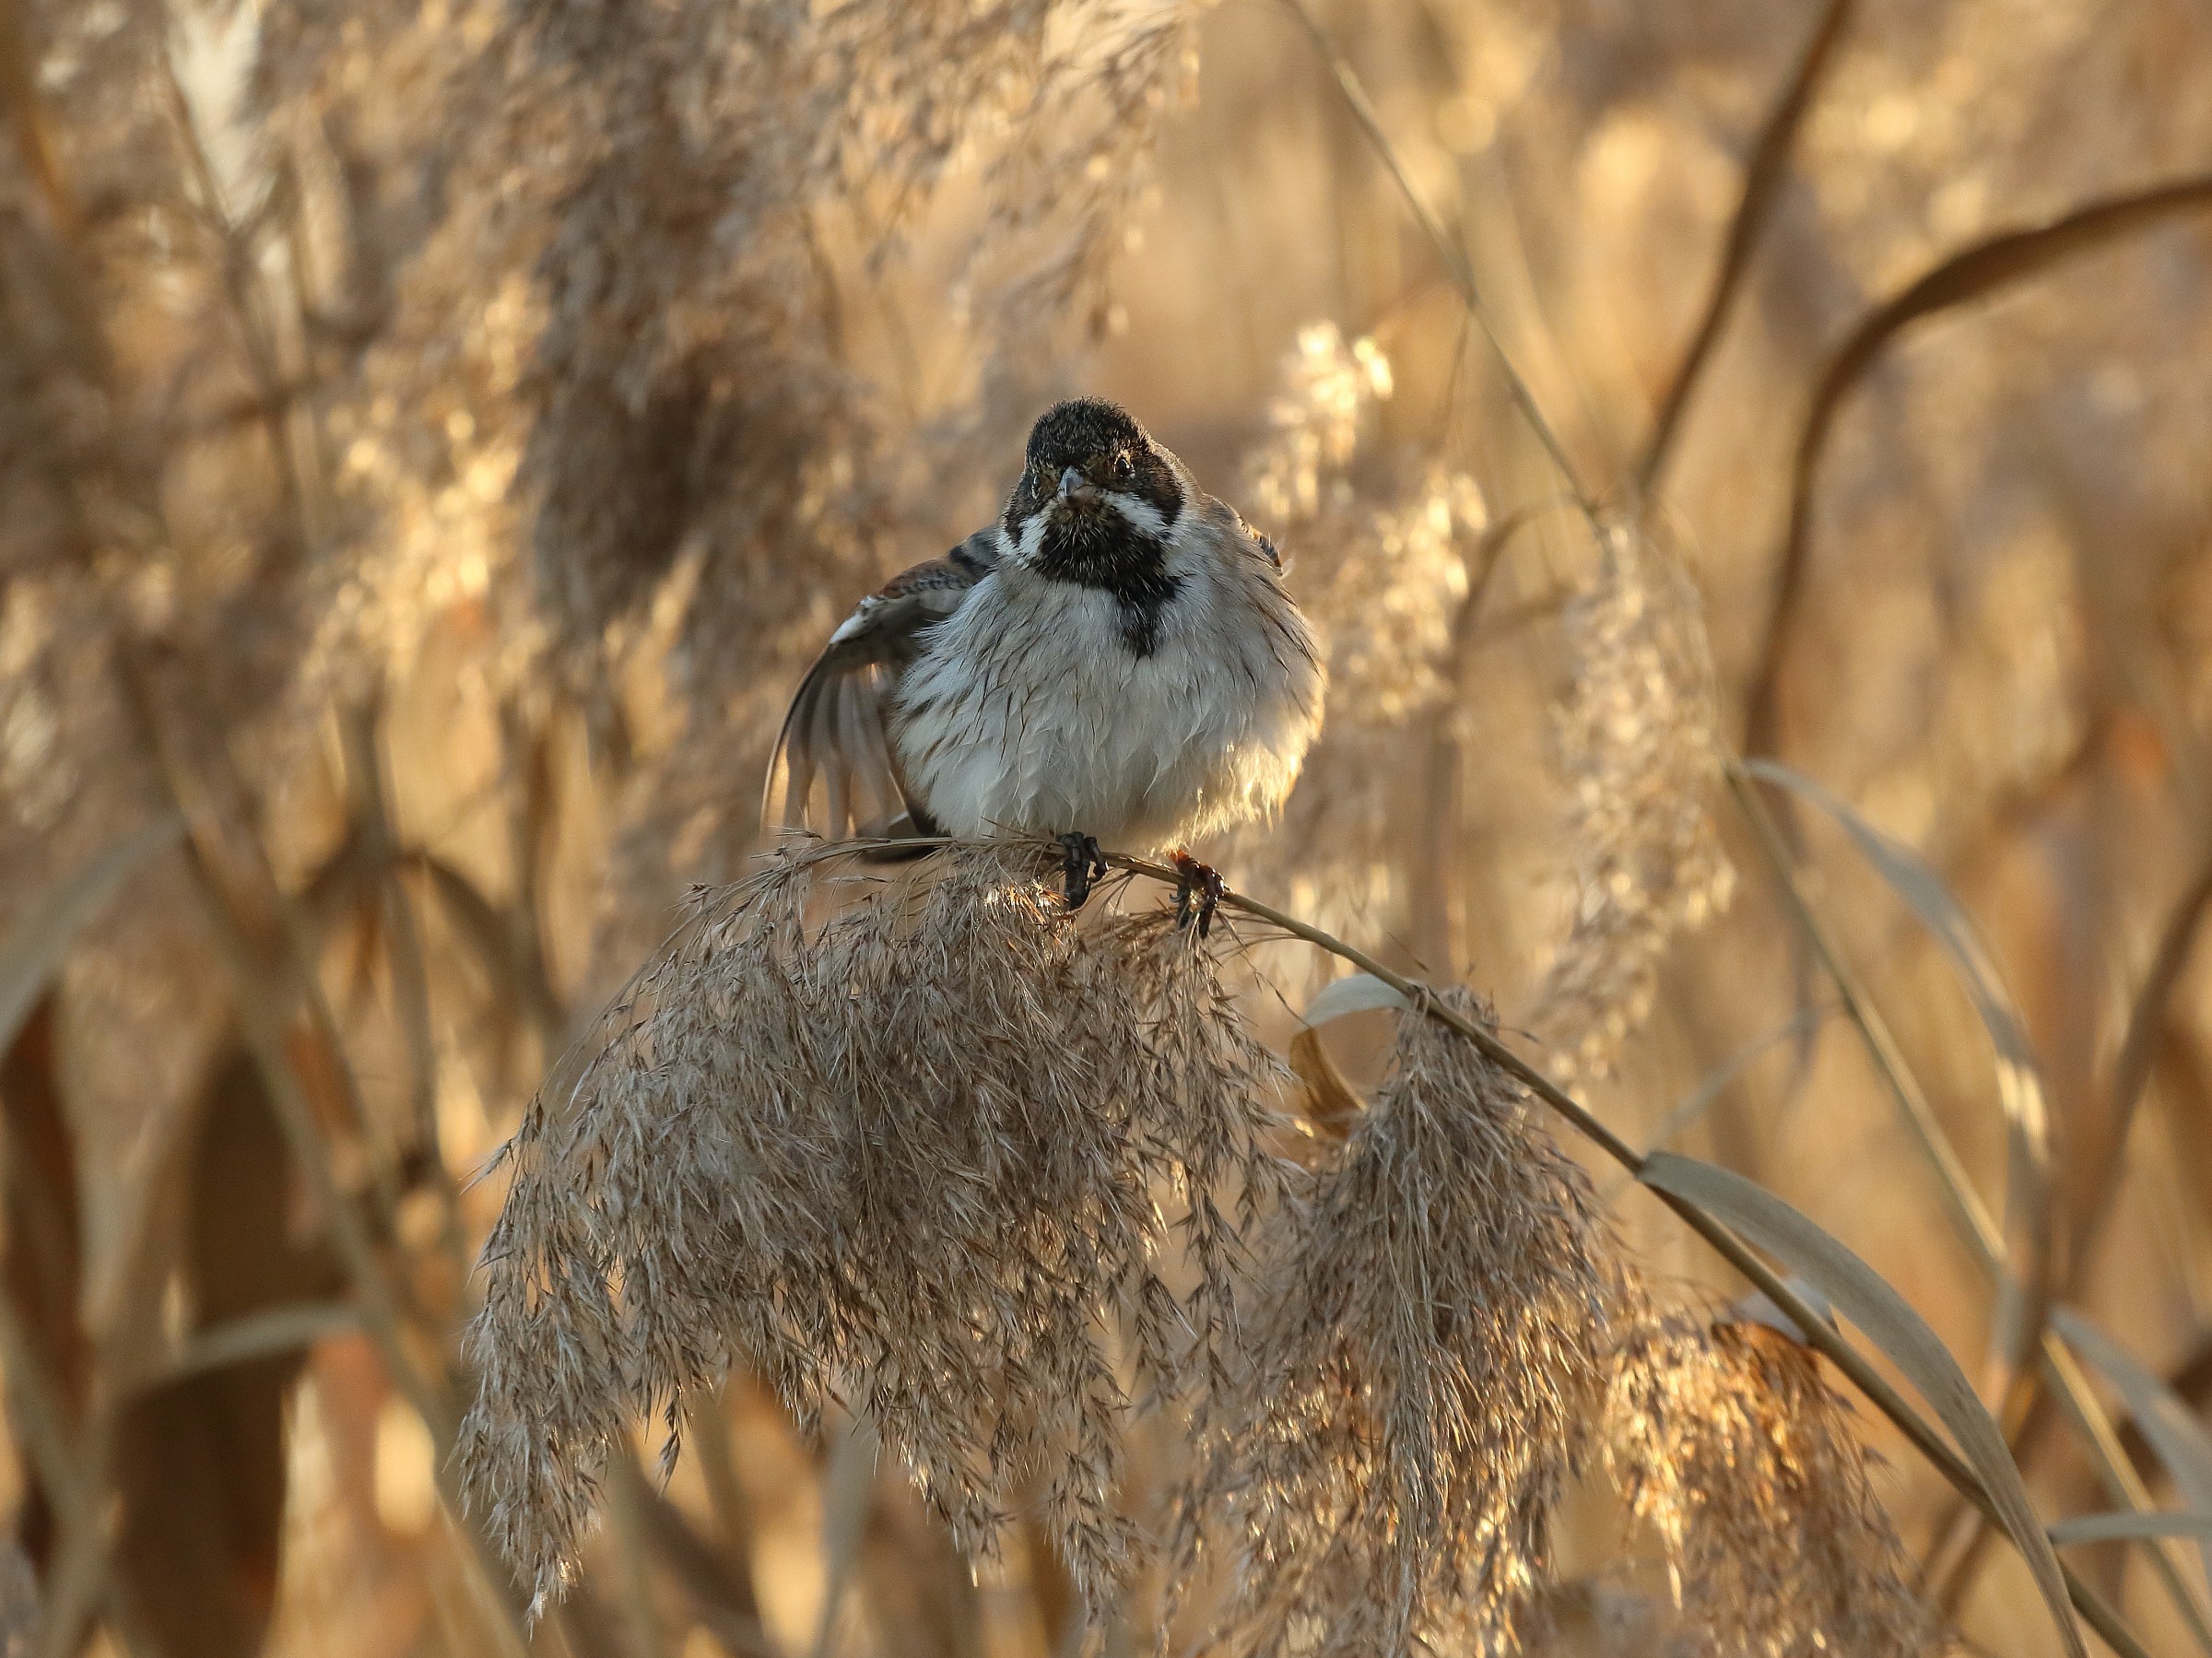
<point x="1084" y="864"/>
<point x="1197" y="892"/>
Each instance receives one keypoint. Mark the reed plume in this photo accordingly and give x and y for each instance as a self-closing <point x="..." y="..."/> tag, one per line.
<point x="1424" y="1373"/>
<point x="1640" y="750"/>
<point x="912" y="1157"/>
<point x="1731" y="1445"/>
<point x="1376" y="541"/>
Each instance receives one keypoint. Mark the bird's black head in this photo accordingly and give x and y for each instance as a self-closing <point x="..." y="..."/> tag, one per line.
<point x="1097" y="499"/>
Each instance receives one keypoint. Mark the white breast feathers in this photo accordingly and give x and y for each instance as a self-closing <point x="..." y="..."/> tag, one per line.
<point x="1030" y="711"/>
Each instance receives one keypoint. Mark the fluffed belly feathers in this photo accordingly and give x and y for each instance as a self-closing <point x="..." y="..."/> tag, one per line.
<point x="1026" y="713"/>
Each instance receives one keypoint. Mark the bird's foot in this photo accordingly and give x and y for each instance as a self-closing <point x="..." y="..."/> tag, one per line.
<point x="1084" y="864"/>
<point x="1197" y="892"/>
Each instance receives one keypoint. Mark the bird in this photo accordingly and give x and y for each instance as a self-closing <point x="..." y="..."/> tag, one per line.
<point x="1117" y="660"/>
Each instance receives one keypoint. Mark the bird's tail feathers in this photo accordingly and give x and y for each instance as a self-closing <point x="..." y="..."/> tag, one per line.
<point x="834" y="735"/>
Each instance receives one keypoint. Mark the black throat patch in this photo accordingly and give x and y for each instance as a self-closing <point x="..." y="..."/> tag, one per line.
<point x="1107" y="552"/>
<point x="1087" y="461"/>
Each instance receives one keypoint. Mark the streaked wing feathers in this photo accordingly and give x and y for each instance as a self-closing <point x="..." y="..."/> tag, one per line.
<point x="834" y="734"/>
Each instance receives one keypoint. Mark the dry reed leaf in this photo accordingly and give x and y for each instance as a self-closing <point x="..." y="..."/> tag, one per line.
<point x="20" y="1608"/>
<point x="1355" y="992"/>
<point x="41" y="1264"/>
<point x="1425" y="1362"/>
<point x="213" y="1443"/>
<point x="1331" y="1103"/>
<point x="2019" y="1076"/>
<point x="910" y="1156"/>
<point x="35" y="946"/>
<point x="1863" y="1296"/>
<point x="2123" y="1527"/>
<point x="2165" y="1419"/>
<point x="1728" y="1441"/>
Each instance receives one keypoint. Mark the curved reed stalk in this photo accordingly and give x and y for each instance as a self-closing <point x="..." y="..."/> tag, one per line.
<point x="2094" y="1608"/>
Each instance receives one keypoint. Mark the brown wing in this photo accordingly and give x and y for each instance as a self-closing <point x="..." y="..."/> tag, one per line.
<point x="834" y="733"/>
<point x="1221" y="510"/>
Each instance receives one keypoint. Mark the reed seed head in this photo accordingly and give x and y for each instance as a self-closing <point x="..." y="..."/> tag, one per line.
<point x="1640" y="749"/>
<point x="914" y="1156"/>
<point x="1728" y="1441"/>
<point x="1424" y="1373"/>
<point x="1376" y="542"/>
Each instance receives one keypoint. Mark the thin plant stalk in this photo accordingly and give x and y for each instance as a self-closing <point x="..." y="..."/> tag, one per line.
<point x="249" y="303"/>
<point x="278" y="957"/>
<point x="1976" y="1229"/>
<point x="848" y="1488"/>
<point x="626" y="1494"/>
<point x="357" y="1248"/>
<point x="1819" y="1334"/>
<point x="1762" y="188"/>
<point x="709" y="1419"/>
<point x="258" y="1002"/>
<point x="1718" y="1079"/>
<point x="84" y="1573"/>
<point x="1457" y="266"/>
<point x="2138" y="1048"/>
<point x="1970" y="1218"/>
<point x="2097" y="1611"/>
<point x="2131" y="1075"/>
<point x="411" y="975"/>
<point x="1972" y="273"/>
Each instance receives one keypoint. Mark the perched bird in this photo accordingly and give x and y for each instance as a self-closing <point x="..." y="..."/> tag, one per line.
<point x="1116" y="659"/>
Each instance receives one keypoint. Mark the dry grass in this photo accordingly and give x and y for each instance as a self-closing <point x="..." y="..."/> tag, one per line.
<point x="1642" y="755"/>
<point x="1425" y="1361"/>
<point x="435" y="433"/>
<point x="1379" y="543"/>
<point x="909" y="1158"/>
<point x="1727" y="1441"/>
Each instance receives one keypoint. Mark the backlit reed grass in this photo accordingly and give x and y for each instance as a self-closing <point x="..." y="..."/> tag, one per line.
<point x="912" y="1157"/>
<point x="1423" y="1371"/>
<point x="1377" y="542"/>
<point x="1731" y="1445"/>
<point x="510" y="399"/>
<point x="1641" y="753"/>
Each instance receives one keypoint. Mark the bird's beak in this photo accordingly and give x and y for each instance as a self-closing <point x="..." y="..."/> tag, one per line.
<point x="1075" y="487"/>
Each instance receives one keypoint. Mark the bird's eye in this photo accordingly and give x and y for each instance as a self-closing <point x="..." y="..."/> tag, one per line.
<point x="1123" y="466"/>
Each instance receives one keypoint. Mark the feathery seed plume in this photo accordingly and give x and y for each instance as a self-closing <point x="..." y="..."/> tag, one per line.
<point x="1376" y="545"/>
<point x="911" y="1155"/>
<point x="1642" y="753"/>
<point x="1425" y="1372"/>
<point x="1727" y="1441"/>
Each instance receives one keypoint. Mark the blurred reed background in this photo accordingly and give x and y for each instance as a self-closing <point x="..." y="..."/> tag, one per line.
<point x="437" y="433"/>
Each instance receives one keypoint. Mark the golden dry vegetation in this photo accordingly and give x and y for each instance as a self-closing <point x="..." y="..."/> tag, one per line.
<point x="467" y="1189"/>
